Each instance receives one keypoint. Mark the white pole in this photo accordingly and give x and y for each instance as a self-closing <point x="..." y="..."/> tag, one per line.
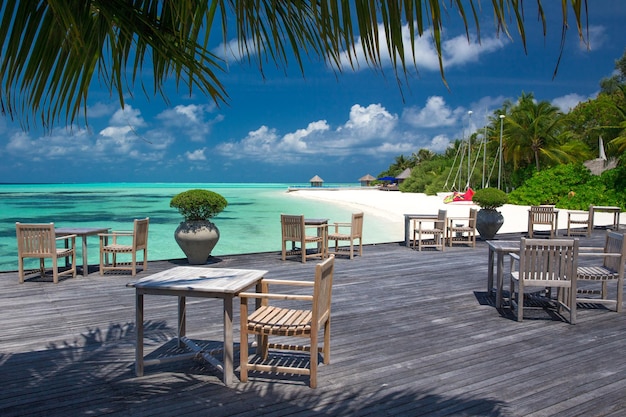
<point x="484" y="154"/>
<point x="469" y="148"/>
<point x="500" y="151"/>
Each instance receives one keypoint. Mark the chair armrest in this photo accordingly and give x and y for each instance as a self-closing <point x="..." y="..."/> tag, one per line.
<point x="342" y="224"/>
<point x="288" y="282"/>
<point x="459" y="218"/>
<point x="115" y="234"/>
<point x="600" y="254"/>
<point x="514" y="256"/>
<point x="273" y="296"/>
<point x="65" y="237"/>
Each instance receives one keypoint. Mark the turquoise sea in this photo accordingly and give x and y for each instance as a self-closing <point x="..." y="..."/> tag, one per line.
<point x="250" y="223"/>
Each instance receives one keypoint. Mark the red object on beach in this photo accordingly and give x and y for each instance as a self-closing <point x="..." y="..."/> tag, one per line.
<point x="456" y="196"/>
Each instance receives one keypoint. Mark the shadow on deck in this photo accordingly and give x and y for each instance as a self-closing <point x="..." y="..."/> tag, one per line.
<point x="413" y="333"/>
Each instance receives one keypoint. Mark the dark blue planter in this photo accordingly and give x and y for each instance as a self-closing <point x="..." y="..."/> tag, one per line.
<point x="488" y="222"/>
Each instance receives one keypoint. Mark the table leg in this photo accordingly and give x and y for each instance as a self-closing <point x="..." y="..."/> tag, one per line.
<point x="490" y="272"/>
<point x="499" y="283"/>
<point x="407" y="223"/>
<point x="228" y="339"/>
<point x="85" y="260"/>
<point x="139" y="331"/>
<point x="182" y="319"/>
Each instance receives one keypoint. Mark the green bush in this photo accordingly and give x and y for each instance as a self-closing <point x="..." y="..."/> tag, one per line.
<point x="198" y="204"/>
<point x="572" y="187"/>
<point x="490" y="198"/>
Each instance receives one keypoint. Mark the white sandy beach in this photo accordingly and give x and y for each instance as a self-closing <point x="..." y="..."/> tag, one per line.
<point x="389" y="207"/>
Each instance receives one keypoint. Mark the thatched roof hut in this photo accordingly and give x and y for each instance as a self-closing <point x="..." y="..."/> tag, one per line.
<point x="404" y="175"/>
<point x="316" y="181"/>
<point x="366" y="180"/>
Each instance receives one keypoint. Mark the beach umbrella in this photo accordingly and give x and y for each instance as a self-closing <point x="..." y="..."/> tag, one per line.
<point x="386" y="179"/>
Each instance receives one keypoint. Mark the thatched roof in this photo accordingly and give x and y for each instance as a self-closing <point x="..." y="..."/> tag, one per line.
<point x="599" y="165"/>
<point x="404" y="174"/>
<point x="367" y="177"/>
<point x="316" y="179"/>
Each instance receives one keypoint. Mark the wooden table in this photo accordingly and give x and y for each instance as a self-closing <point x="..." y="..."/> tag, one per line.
<point x="187" y="281"/>
<point x="82" y="232"/>
<point x="607" y="209"/>
<point x="500" y="248"/>
<point x="322" y="230"/>
<point x="407" y="225"/>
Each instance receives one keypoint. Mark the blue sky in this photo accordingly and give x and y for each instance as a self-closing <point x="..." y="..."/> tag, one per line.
<point x="286" y="128"/>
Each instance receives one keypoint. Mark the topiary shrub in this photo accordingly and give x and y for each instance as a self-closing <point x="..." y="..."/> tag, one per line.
<point x="197" y="205"/>
<point x="490" y="198"/>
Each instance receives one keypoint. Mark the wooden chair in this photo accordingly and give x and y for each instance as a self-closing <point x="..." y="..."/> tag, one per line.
<point x="289" y="321"/>
<point x="294" y="230"/>
<point x="437" y="231"/>
<point x="354" y="231"/>
<point x="542" y="215"/>
<point x="545" y="263"/>
<point x="579" y="223"/>
<point x="462" y="230"/>
<point x="40" y="241"/>
<point x="612" y="270"/>
<point x="116" y="243"/>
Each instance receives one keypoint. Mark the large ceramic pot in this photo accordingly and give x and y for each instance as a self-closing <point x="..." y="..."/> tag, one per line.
<point x="197" y="239"/>
<point x="488" y="222"/>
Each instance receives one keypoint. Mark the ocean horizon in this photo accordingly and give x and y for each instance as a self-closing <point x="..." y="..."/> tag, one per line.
<point x="250" y="223"/>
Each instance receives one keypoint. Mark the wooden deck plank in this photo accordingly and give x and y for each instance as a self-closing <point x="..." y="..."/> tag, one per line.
<point x="413" y="333"/>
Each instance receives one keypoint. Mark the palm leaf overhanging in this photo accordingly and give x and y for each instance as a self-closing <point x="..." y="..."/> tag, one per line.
<point x="52" y="50"/>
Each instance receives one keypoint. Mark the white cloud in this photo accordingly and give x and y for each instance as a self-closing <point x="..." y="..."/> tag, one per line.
<point x="439" y="143"/>
<point x="568" y="102"/>
<point x="435" y="113"/>
<point x="231" y="51"/>
<point x="197" y="155"/>
<point x="190" y="121"/>
<point x="597" y="38"/>
<point x="127" y="117"/>
<point x="456" y="51"/>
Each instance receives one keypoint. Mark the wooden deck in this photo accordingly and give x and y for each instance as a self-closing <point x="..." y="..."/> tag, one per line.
<point x="413" y="333"/>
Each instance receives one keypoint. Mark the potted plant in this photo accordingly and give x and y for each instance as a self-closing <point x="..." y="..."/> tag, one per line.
<point x="197" y="235"/>
<point x="488" y="219"/>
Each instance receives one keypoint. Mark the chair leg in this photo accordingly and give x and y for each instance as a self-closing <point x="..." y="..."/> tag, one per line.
<point x="618" y="299"/>
<point x="55" y="270"/>
<point x="20" y="269"/>
<point x="243" y="342"/>
<point x="133" y="263"/>
<point x="326" y="351"/>
<point x="314" y="360"/>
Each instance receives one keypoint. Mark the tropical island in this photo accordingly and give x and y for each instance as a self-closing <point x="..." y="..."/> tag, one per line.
<point x="536" y="153"/>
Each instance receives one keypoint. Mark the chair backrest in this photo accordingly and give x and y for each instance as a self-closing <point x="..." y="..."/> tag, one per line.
<point x="140" y="233"/>
<point x="35" y="240"/>
<point x="322" y="289"/>
<point x="441" y="219"/>
<point x="357" y="225"/>
<point x="292" y="227"/>
<point x="542" y="214"/>
<point x="472" y="217"/>
<point x="548" y="260"/>
<point x="615" y="243"/>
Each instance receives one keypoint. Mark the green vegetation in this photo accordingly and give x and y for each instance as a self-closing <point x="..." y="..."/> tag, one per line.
<point x="197" y="205"/>
<point x="490" y="198"/>
<point x="53" y="50"/>
<point x="543" y="151"/>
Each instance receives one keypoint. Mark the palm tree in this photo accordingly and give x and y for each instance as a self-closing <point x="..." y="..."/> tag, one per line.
<point x="53" y="50"/>
<point x="533" y="133"/>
